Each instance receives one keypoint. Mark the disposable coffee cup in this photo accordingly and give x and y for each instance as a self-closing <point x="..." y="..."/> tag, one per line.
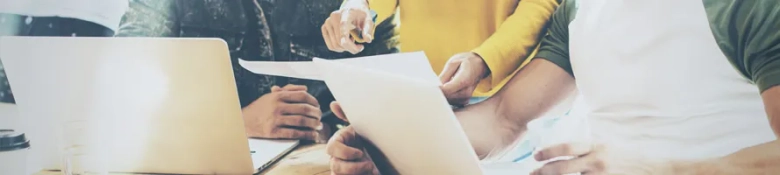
<point x="14" y="148"/>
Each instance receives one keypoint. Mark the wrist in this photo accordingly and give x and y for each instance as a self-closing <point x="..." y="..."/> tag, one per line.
<point x="485" y="71"/>
<point x="361" y="4"/>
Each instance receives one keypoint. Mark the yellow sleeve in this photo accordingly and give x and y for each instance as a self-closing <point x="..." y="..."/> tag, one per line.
<point x="514" y="41"/>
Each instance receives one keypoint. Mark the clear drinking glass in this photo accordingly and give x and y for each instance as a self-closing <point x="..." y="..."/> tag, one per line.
<point x="84" y="148"/>
<point x="550" y="131"/>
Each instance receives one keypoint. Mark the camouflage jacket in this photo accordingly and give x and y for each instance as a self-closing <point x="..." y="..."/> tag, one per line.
<point x="261" y="30"/>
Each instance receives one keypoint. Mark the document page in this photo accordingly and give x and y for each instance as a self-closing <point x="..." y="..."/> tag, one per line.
<point x="407" y="119"/>
<point x="413" y="64"/>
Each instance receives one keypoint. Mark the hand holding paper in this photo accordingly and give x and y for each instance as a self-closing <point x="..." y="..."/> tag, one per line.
<point x="461" y="75"/>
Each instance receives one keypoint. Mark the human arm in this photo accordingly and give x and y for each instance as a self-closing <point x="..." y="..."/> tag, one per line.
<point x="498" y="121"/>
<point x="149" y="18"/>
<point x="537" y="87"/>
<point x="514" y="41"/>
<point x="756" y="160"/>
<point x="488" y="67"/>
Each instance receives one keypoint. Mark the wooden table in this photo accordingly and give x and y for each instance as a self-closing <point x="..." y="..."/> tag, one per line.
<point x="305" y="160"/>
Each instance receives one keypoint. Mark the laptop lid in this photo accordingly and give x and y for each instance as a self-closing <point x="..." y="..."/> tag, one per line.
<point x="165" y="105"/>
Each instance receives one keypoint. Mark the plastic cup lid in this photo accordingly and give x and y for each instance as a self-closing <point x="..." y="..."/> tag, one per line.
<point x="10" y="141"/>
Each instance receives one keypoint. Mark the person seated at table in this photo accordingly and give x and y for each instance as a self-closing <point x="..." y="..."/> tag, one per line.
<point x="91" y="18"/>
<point x="466" y="42"/>
<point x="693" y="86"/>
<point x="260" y="30"/>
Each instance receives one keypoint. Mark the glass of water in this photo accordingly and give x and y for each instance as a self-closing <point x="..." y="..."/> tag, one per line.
<point x="84" y="148"/>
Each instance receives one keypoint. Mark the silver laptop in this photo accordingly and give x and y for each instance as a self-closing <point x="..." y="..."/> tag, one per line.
<point x="165" y="105"/>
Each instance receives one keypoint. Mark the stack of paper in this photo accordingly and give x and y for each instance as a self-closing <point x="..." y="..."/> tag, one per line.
<point x="393" y="101"/>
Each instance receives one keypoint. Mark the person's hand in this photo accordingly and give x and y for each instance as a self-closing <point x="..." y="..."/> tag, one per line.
<point x="285" y="113"/>
<point x="460" y="77"/>
<point x="596" y="159"/>
<point x="347" y="151"/>
<point x="353" y="16"/>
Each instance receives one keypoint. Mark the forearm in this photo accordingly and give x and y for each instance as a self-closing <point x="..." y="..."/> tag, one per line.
<point x="771" y="99"/>
<point x="756" y="160"/>
<point x="501" y="119"/>
<point x="759" y="159"/>
<point x="479" y="122"/>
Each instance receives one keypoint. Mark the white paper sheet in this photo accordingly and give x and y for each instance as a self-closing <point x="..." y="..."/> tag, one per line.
<point x="408" y="119"/>
<point x="412" y="64"/>
<point x="295" y="69"/>
<point x="266" y="152"/>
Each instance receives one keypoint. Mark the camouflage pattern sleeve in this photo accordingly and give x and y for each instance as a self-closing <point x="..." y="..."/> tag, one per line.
<point x="149" y="18"/>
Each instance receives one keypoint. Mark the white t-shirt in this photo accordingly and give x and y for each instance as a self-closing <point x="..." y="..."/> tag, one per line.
<point x="655" y="80"/>
<point x="104" y="12"/>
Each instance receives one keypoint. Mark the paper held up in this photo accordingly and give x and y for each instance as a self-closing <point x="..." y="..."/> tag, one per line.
<point x="412" y="64"/>
<point x="394" y="102"/>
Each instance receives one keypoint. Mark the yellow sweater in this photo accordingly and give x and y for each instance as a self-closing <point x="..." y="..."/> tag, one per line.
<point x="503" y="32"/>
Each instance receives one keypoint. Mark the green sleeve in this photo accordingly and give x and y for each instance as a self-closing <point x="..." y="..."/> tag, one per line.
<point x="555" y="45"/>
<point x="748" y="33"/>
<point x="149" y="18"/>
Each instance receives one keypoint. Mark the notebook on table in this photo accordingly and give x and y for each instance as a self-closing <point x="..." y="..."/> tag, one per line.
<point x="266" y="153"/>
